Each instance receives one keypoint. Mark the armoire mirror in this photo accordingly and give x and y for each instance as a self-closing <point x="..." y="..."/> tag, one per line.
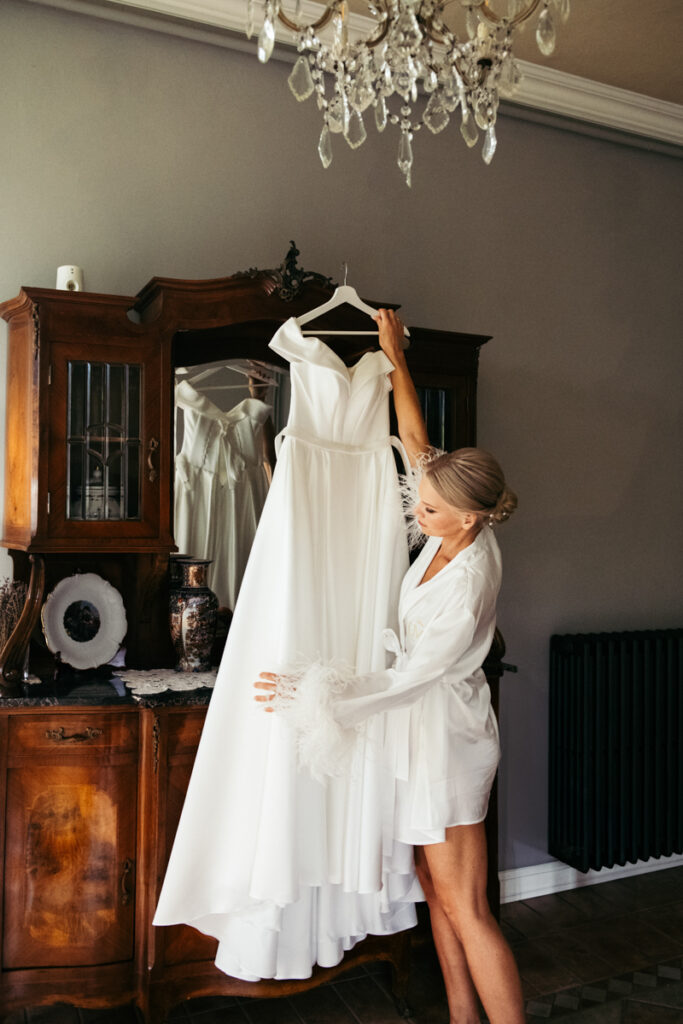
<point x="227" y="415"/>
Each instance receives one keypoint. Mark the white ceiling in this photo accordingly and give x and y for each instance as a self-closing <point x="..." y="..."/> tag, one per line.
<point x="630" y="44"/>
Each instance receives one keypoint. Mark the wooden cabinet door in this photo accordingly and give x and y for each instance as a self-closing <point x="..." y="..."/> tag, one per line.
<point x="105" y="424"/>
<point x="69" y="882"/>
<point x="180" y="734"/>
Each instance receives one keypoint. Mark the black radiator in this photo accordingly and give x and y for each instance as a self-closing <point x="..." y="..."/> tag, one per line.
<point x="616" y="764"/>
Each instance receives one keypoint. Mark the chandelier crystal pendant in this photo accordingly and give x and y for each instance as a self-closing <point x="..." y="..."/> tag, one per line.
<point x="412" y="70"/>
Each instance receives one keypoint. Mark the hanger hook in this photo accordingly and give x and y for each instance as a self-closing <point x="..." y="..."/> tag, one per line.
<point x="346" y="271"/>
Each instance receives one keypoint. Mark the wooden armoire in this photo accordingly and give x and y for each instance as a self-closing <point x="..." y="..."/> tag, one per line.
<point x="91" y="789"/>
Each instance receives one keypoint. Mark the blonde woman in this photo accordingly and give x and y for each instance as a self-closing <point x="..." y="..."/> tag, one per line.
<point x="441" y="746"/>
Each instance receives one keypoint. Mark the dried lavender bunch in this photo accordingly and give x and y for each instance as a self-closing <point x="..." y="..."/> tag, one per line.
<point x="12" y="600"/>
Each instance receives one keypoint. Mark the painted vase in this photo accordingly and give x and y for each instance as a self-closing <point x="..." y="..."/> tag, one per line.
<point x="193" y="608"/>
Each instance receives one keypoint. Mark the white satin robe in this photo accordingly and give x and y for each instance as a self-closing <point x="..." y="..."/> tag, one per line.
<point x="441" y="745"/>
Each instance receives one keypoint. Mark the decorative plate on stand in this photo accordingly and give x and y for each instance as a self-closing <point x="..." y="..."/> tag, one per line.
<point x="84" y="620"/>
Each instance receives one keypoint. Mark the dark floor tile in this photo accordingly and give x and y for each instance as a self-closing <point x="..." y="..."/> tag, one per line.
<point x="646" y="1013"/>
<point x="657" y="887"/>
<point x="557" y="912"/>
<point x="539" y="960"/>
<point x="624" y="942"/>
<point x="231" y="1012"/>
<point x="524" y="919"/>
<point x="640" y="892"/>
<point x="120" y="1015"/>
<point x="539" y="1009"/>
<point x="321" y="1006"/>
<point x="667" y="918"/>
<point x="510" y="934"/>
<point x="666" y="995"/>
<point x="177" y="1014"/>
<point x="541" y="969"/>
<point x="270" y="1011"/>
<point x="591" y="902"/>
<point x="568" y="999"/>
<point x="609" y="1014"/>
<point x="621" y="895"/>
<point x="368" y="1001"/>
<point x="382" y="967"/>
<point x="529" y="991"/>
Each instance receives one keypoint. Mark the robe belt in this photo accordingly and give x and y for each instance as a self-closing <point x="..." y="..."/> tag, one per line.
<point x="397" y="721"/>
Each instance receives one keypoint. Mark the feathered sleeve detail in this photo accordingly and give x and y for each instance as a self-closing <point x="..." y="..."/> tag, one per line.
<point x="305" y="700"/>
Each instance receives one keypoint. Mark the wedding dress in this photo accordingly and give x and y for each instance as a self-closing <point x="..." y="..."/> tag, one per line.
<point x="220" y="485"/>
<point x="284" y="869"/>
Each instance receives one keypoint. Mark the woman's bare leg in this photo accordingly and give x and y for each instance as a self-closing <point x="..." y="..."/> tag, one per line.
<point x="462" y="998"/>
<point x="457" y="870"/>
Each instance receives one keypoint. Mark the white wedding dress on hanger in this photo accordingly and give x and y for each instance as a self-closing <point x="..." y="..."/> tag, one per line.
<point x="286" y="870"/>
<point x="220" y="485"/>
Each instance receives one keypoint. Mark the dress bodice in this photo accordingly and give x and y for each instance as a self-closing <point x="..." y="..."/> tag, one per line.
<point x="217" y="442"/>
<point x="330" y="401"/>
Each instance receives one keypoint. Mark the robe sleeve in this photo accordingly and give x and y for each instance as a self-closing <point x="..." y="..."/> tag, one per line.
<point x="325" y="703"/>
<point x="443" y="646"/>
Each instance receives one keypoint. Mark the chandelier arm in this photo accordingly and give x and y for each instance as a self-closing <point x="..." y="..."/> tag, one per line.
<point x="294" y="27"/>
<point x="384" y="27"/>
<point x="370" y="43"/>
<point x="431" y="32"/>
<point x="488" y="13"/>
<point x="517" y="20"/>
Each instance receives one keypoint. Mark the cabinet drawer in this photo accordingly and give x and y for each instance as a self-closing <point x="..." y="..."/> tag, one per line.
<point x="60" y="733"/>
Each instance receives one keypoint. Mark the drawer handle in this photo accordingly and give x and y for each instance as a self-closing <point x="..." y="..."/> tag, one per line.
<point x="152" y="449"/>
<point x="60" y="736"/>
<point x="126" y="894"/>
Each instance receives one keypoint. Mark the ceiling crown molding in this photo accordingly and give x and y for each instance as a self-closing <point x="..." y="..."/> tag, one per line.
<point x="573" y="100"/>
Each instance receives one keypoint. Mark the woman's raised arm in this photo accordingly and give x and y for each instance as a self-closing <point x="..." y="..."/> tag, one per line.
<point x="411" y="425"/>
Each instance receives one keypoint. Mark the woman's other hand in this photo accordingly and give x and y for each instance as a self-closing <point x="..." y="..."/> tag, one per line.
<point x="269" y="681"/>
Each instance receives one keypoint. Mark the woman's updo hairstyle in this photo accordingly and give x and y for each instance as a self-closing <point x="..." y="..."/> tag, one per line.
<point x="471" y="480"/>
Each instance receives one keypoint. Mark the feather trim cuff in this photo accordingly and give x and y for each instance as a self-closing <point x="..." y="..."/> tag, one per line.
<point x="305" y="700"/>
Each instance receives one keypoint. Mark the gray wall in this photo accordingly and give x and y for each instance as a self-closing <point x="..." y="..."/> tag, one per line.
<point x="135" y="154"/>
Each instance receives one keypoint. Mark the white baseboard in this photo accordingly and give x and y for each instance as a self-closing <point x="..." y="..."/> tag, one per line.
<point x="541" y="879"/>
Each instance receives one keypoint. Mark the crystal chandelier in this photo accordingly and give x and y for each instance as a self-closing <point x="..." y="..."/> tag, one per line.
<point x="411" y="61"/>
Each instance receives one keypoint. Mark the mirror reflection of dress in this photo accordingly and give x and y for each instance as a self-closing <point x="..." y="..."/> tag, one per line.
<point x="285" y="870"/>
<point x="221" y="482"/>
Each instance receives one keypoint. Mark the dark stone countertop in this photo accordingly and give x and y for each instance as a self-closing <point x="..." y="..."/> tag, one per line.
<point x="109" y="693"/>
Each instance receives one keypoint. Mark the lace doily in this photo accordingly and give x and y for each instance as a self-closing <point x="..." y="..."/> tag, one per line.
<point x="145" y="681"/>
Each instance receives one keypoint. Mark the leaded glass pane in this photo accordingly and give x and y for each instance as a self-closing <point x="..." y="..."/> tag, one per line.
<point x="103" y="438"/>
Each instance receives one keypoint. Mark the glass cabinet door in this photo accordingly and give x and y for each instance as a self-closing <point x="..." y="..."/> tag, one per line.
<point x="104" y="441"/>
<point x="105" y="423"/>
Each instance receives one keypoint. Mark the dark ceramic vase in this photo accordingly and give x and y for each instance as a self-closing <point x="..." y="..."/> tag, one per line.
<point x="193" y="608"/>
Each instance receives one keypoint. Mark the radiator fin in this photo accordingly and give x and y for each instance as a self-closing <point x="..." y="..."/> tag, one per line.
<point x="615" y="764"/>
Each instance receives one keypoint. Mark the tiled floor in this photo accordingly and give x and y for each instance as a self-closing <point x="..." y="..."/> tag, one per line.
<point x="605" y="954"/>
